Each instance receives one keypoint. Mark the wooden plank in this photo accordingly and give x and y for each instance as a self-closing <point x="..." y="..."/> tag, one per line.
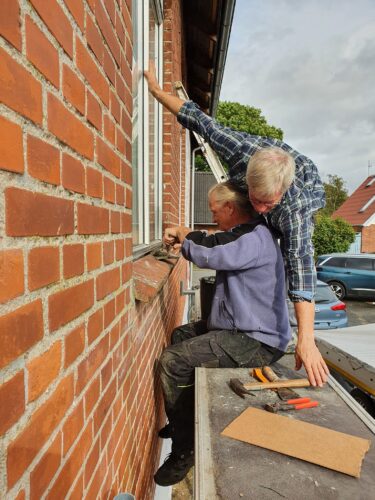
<point x="335" y="450"/>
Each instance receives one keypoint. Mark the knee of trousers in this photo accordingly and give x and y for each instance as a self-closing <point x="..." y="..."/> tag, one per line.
<point x="173" y="365"/>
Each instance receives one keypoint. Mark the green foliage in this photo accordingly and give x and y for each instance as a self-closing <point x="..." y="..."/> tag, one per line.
<point x="201" y="165"/>
<point x="336" y="194"/>
<point x="332" y="235"/>
<point x="246" y="119"/>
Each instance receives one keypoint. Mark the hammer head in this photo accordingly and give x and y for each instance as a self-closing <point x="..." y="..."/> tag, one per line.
<point x="237" y="386"/>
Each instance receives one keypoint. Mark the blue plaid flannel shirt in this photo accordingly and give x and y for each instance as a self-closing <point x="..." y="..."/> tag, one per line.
<point x="292" y="218"/>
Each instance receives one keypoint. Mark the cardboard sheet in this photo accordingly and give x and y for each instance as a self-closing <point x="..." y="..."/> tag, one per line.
<point x="312" y="443"/>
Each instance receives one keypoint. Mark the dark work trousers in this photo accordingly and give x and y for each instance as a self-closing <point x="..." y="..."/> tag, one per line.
<point x="193" y="346"/>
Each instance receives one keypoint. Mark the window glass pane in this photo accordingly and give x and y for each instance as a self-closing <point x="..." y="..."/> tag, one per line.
<point x="152" y="121"/>
<point x="335" y="262"/>
<point x="365" y="264"/>
<point x="324" y="294"/>
<point x="135" y="123"/>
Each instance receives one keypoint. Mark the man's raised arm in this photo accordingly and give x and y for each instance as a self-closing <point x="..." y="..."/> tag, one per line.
<point x="171" y="102"/>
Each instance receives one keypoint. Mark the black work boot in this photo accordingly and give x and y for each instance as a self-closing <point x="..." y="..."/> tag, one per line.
<point x="175" y="468"/>
<point x="165" y="432"/>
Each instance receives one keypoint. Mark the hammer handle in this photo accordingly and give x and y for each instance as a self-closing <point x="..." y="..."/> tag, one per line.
<point x="297" y="382"/>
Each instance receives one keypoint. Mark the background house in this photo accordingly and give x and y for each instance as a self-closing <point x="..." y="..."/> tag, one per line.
<point x="91" y="169"/>
<point x="359" y="211"/>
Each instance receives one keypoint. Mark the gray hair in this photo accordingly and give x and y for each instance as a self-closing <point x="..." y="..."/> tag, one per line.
<point x="270" y="171"/>
<point x="228" y="191"/>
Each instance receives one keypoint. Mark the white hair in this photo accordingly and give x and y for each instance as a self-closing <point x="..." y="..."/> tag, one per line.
<point x="270" y="171"/>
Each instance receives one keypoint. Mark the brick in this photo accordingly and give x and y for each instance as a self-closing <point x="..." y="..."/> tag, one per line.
<point x="19" y="90"/>
<point x="120" y="250"/>
<point x="104" y="405"/>
<point x="11" y="274"/>
<point x="109" y="190"/>
<point x="73" y="464"/>
<point x="73" y="260"/>
<point x="74" y="345"/>
<point x="92" y="396"/>
<point x="94" y="39"/>
<point x="92" y="462"/>
<point x="10" y="22"/>
<point x="115" y="107"/>
<point x="121" y="141"/>
<point x="108" y="32"/>
<point x="77" y="10"/>
<point x="127" y="271"/>
<point x="107" y="282"/>
<point x="21" y="495"/>
<point x="108" y="252"/>
<point x="12" y="401"/>
<point x="106" y="373"/>
<point x="57" y="22"/>
<point x="41" y="53"/>
<point x="73" y="174"/>
<point x="20" y="330"/>
<point x="109" y="312"/>
<point x="94" y="183"/>
<point x="43" y="370"/>
<point x="45" y="469"/>
<point x="95" y="326"/>
<point x="90" y="71"/>
<point x="92" y="220"/>
<point x="109" y="129"/>
<point x="94" y="111"/>
<point x="109" y="67"/>
<point x="44" y="267"/>
<point x="88" y="367"/>
<point x="34" y="214"/>
<point x="73" y="89"/>
<point x="107" y="158"/>
<point x="70" y="303"/>
<point x="42" y="423"/>
<point x="93" y="255"/>
<point x="77" y="492"/>
<point x="69" y="129"/>
<point x="115" y="222"/>
<point x="43" y="160"/>
<point x="11" y="146"/>
<point x="126" y="223"/>
<point x="120" y="194"/>
<point x="72" y="428"/>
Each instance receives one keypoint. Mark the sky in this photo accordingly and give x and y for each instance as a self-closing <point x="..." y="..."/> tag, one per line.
<point x="309" y="65"/>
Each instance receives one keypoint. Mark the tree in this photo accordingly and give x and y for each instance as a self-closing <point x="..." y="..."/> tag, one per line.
<point x="246" y="119"/>
<point x="243" y="118"/>
<point x="336" y="194"/>
<point x="332" y="235"/>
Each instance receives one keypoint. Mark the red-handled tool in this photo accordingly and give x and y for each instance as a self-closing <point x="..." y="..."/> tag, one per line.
<point x="288" y="405"/>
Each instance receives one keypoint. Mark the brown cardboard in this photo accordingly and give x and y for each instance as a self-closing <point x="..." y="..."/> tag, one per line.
<point x="309" y="442"/>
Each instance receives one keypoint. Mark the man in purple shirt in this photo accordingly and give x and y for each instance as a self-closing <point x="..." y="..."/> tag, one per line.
<point x="246" y="328"/>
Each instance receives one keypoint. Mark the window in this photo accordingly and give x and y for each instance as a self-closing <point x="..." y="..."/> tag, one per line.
<point x="335" y="262"/>
<point x="363" y="263"/>
<point x="147" y="124"/>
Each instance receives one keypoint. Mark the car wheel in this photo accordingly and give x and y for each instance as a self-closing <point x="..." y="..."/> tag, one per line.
<point x="364" y="400"/>
<point x="338" y="288"/>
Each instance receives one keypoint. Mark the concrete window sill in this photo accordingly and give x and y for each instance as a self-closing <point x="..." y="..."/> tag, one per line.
<point x="149" y="276"/>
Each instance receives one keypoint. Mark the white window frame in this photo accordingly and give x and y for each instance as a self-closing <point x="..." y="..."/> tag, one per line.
<point x="143" y="146"/>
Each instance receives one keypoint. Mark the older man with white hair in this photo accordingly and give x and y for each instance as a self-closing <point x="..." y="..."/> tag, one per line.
<point x="284" y="186"/>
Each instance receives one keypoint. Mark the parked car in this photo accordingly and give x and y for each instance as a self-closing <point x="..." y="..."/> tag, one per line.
<point x="349" y="275"/>
<point x="329" y="311"/>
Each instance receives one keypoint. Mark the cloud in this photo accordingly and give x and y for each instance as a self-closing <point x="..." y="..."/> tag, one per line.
<point x="309" y="66"/>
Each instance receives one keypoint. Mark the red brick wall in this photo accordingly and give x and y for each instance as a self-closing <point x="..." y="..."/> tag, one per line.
<point x="79" y="401"/>
<point x="368" y="239"/>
